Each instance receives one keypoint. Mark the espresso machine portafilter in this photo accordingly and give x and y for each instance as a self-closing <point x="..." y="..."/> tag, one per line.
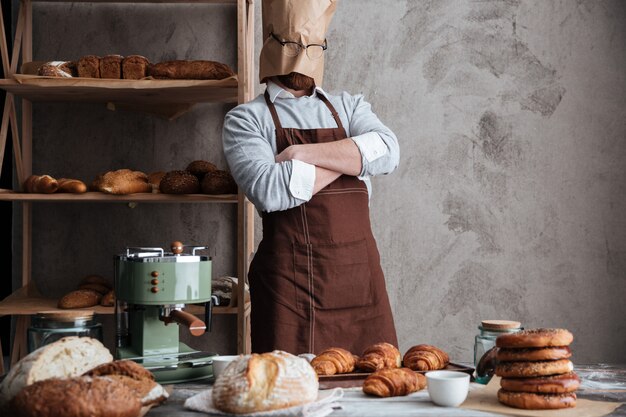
<point x="153" y="287"/>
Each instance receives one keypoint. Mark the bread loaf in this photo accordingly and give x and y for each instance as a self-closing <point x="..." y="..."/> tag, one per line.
<point x="218" y="182"/>
<point x="134" y="67"/>
<point x="64" y="69"/>
<point x="40" y="184"/>
<point x="393" y="382"/>
<point x="76" y="397"/>
<point x="179" y="182"/>
<point x="111" y="66"/>
<point x="89" y="66"/>
<point x="99" y="288"/>
<point x="190" y="70"/>
<point x="379" y="356"/>
<point x="154" y="178"/>
<point x="122" y="181"/>
<point x="108" y="299"/>
<point x="200" y="168"/>
<point x="334" y="361"/>
<point x="80" y="299"/>
<point x="67" y="357"/>
<point x="69" y="185"/>
<point x="262" y="382"/>
<point x="425" y="358"/>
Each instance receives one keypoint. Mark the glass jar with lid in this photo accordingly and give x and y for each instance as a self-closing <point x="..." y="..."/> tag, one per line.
<point x="50" y="326"/>
<point x="485" y="341"/>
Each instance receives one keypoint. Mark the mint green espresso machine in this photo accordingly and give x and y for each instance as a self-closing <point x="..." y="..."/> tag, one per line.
<point x="152" y="287"/>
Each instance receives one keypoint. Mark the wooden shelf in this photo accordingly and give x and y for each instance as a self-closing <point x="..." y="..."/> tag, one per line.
<point x="9" y="195"/>
<point x="21" y="304"/>
<point x="139" y="1"/>
<point x="126" y="92"/>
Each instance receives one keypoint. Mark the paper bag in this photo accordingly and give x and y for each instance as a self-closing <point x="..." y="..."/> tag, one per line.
<point x="303" y="21"/>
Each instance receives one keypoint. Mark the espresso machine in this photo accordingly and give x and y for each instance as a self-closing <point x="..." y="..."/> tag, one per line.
<point x="152" y="287"/>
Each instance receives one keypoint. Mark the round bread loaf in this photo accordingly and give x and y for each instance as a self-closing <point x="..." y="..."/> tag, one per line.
<point x="530" y="369"/>
<point x="76" y="397"/>
<point x="531" y="401"/>
<point x="535" y="338"/>
<point x="200" y="168"/>
<point x="179" y="182"/>
<point x="262" y="382"/>
<point x="218" y="182"/>
<point x="122" y="182"/>
<point x="533" y="354"/>
<point x="80" y="299"/>
<point x="555" y="384"/>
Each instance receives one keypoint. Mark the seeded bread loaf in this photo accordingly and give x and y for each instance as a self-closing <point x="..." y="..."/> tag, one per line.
<point x="80" y="298"/>
<point x="67" y="357"/>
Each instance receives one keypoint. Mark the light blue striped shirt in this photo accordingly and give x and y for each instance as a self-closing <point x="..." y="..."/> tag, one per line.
<point x="249" y="141"/>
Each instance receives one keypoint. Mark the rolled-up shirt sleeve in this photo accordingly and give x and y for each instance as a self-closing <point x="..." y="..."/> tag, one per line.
<point x="380" y="153"/>
<point x="269" y="185"/>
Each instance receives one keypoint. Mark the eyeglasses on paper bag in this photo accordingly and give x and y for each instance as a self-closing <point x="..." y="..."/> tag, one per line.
<point x="291" y="49"/>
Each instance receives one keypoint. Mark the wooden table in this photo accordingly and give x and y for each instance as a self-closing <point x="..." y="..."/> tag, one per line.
<point x="599" y="382"/>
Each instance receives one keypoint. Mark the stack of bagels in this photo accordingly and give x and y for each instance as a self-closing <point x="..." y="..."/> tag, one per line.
<point x="535" y="369"/>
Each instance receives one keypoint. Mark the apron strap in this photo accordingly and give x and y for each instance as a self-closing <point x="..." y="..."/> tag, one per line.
<point x="332" y="111"/>
<point x="272" y="108"/>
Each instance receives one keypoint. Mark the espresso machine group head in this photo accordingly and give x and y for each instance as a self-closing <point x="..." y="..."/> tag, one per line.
<point x="152" y="287"/>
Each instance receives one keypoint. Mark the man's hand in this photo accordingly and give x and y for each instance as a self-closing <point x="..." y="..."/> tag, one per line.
<point x="341" y="156"/>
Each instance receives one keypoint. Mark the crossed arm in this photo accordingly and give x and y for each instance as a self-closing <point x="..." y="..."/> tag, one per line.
<point x="331" y="159"/>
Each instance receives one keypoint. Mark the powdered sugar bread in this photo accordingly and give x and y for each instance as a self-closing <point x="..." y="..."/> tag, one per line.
<point x="67" y="357"/>
<point x="262" y="382"/>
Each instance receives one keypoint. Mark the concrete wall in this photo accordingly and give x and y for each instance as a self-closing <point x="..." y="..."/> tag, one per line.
<point x="509" y="199"/>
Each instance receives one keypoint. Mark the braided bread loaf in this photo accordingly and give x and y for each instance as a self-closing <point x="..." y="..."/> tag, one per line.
<point x="379" y="356"/>
<point x="393" y="382"/>
<point x="425" y="358"/>
<point x="334" y="361"/>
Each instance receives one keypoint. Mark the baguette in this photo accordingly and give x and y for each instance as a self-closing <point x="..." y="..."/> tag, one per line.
<point x="41" y="184"/>
<point x="69" y="185"/>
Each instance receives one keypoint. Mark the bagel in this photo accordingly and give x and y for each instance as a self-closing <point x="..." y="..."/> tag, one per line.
<point x="535" y="338"/>
<point x="533" y="354"/>
<point x="531" y="369"/>
<point x="530" y="401"/>
<point x="555" y="384"/>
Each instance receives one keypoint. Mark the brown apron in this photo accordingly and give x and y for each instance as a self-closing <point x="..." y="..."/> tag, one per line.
<point x="316" y="280"/>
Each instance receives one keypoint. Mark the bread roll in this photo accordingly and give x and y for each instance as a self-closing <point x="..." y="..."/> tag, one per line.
<point x="70" y="185"/>
<point x="89" y="66"/>
<point x="334" y="361"/>
<point x="41" y="184"/>
<point x="531" y="401"/>
<point x="262" y="382"/>
<point x="179" y="182"/>
<point x="63" y="69"/>
<point x="535" y="338"/>
<point x="80" y="299"/>
<point x="190" y="70"/>
<point x="425" y="358"/>
<point x="108" y="299"/>
<point x="393" y="382"/>
<point x="532" y="369"/>
<point x="99" y="288"/>
<point x="134" y="67"/>
<point x="200" y="168"/>
<point x="111" y="66"/>
<point x="122" y="181"/>
<point x="65" y="358"/>
<point x="533" y="354"/>
<point x="554" y="384"/>
<point x="76" y="397"/>
<point x="379" y="356"/>
<point x="218" y="182"/>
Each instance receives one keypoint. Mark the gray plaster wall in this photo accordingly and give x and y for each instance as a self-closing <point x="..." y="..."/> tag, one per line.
<point x="509" y="199"/>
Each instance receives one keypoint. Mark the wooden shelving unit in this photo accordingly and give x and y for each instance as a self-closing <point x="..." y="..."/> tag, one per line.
<point x="144" y="95"/>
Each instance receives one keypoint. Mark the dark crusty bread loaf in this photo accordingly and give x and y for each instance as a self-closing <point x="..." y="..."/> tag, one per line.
<point x="190" y="70"/>
<point x="111" y="66"/>
<point x="218" y="182"/>
<point x="179" y="182"/>
<point x="76" y="397"/>
<point x="64" y="69"/>
<point x="40" y="184"/>
<point x="200" y="168"/>
<point x="80" y="299"/>
<point x="134" y="67"/>
<point x="89" y="66"/>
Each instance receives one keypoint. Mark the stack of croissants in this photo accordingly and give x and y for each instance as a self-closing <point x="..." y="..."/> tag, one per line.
<point x="392" y="374"/>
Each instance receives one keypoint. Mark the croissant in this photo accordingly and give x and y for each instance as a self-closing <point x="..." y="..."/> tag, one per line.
<point x="425" y="358"/>
<point x="334" y="361"/>
<point x="379" y="356"/>
<point x="393" y="382"/>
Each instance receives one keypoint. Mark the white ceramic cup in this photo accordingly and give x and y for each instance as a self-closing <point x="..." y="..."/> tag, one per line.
<point x="221" y="362"/>
<point x="447" y="388"/>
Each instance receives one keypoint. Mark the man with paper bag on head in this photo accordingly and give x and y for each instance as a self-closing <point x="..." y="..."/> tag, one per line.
<point x="304" y="158"/>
